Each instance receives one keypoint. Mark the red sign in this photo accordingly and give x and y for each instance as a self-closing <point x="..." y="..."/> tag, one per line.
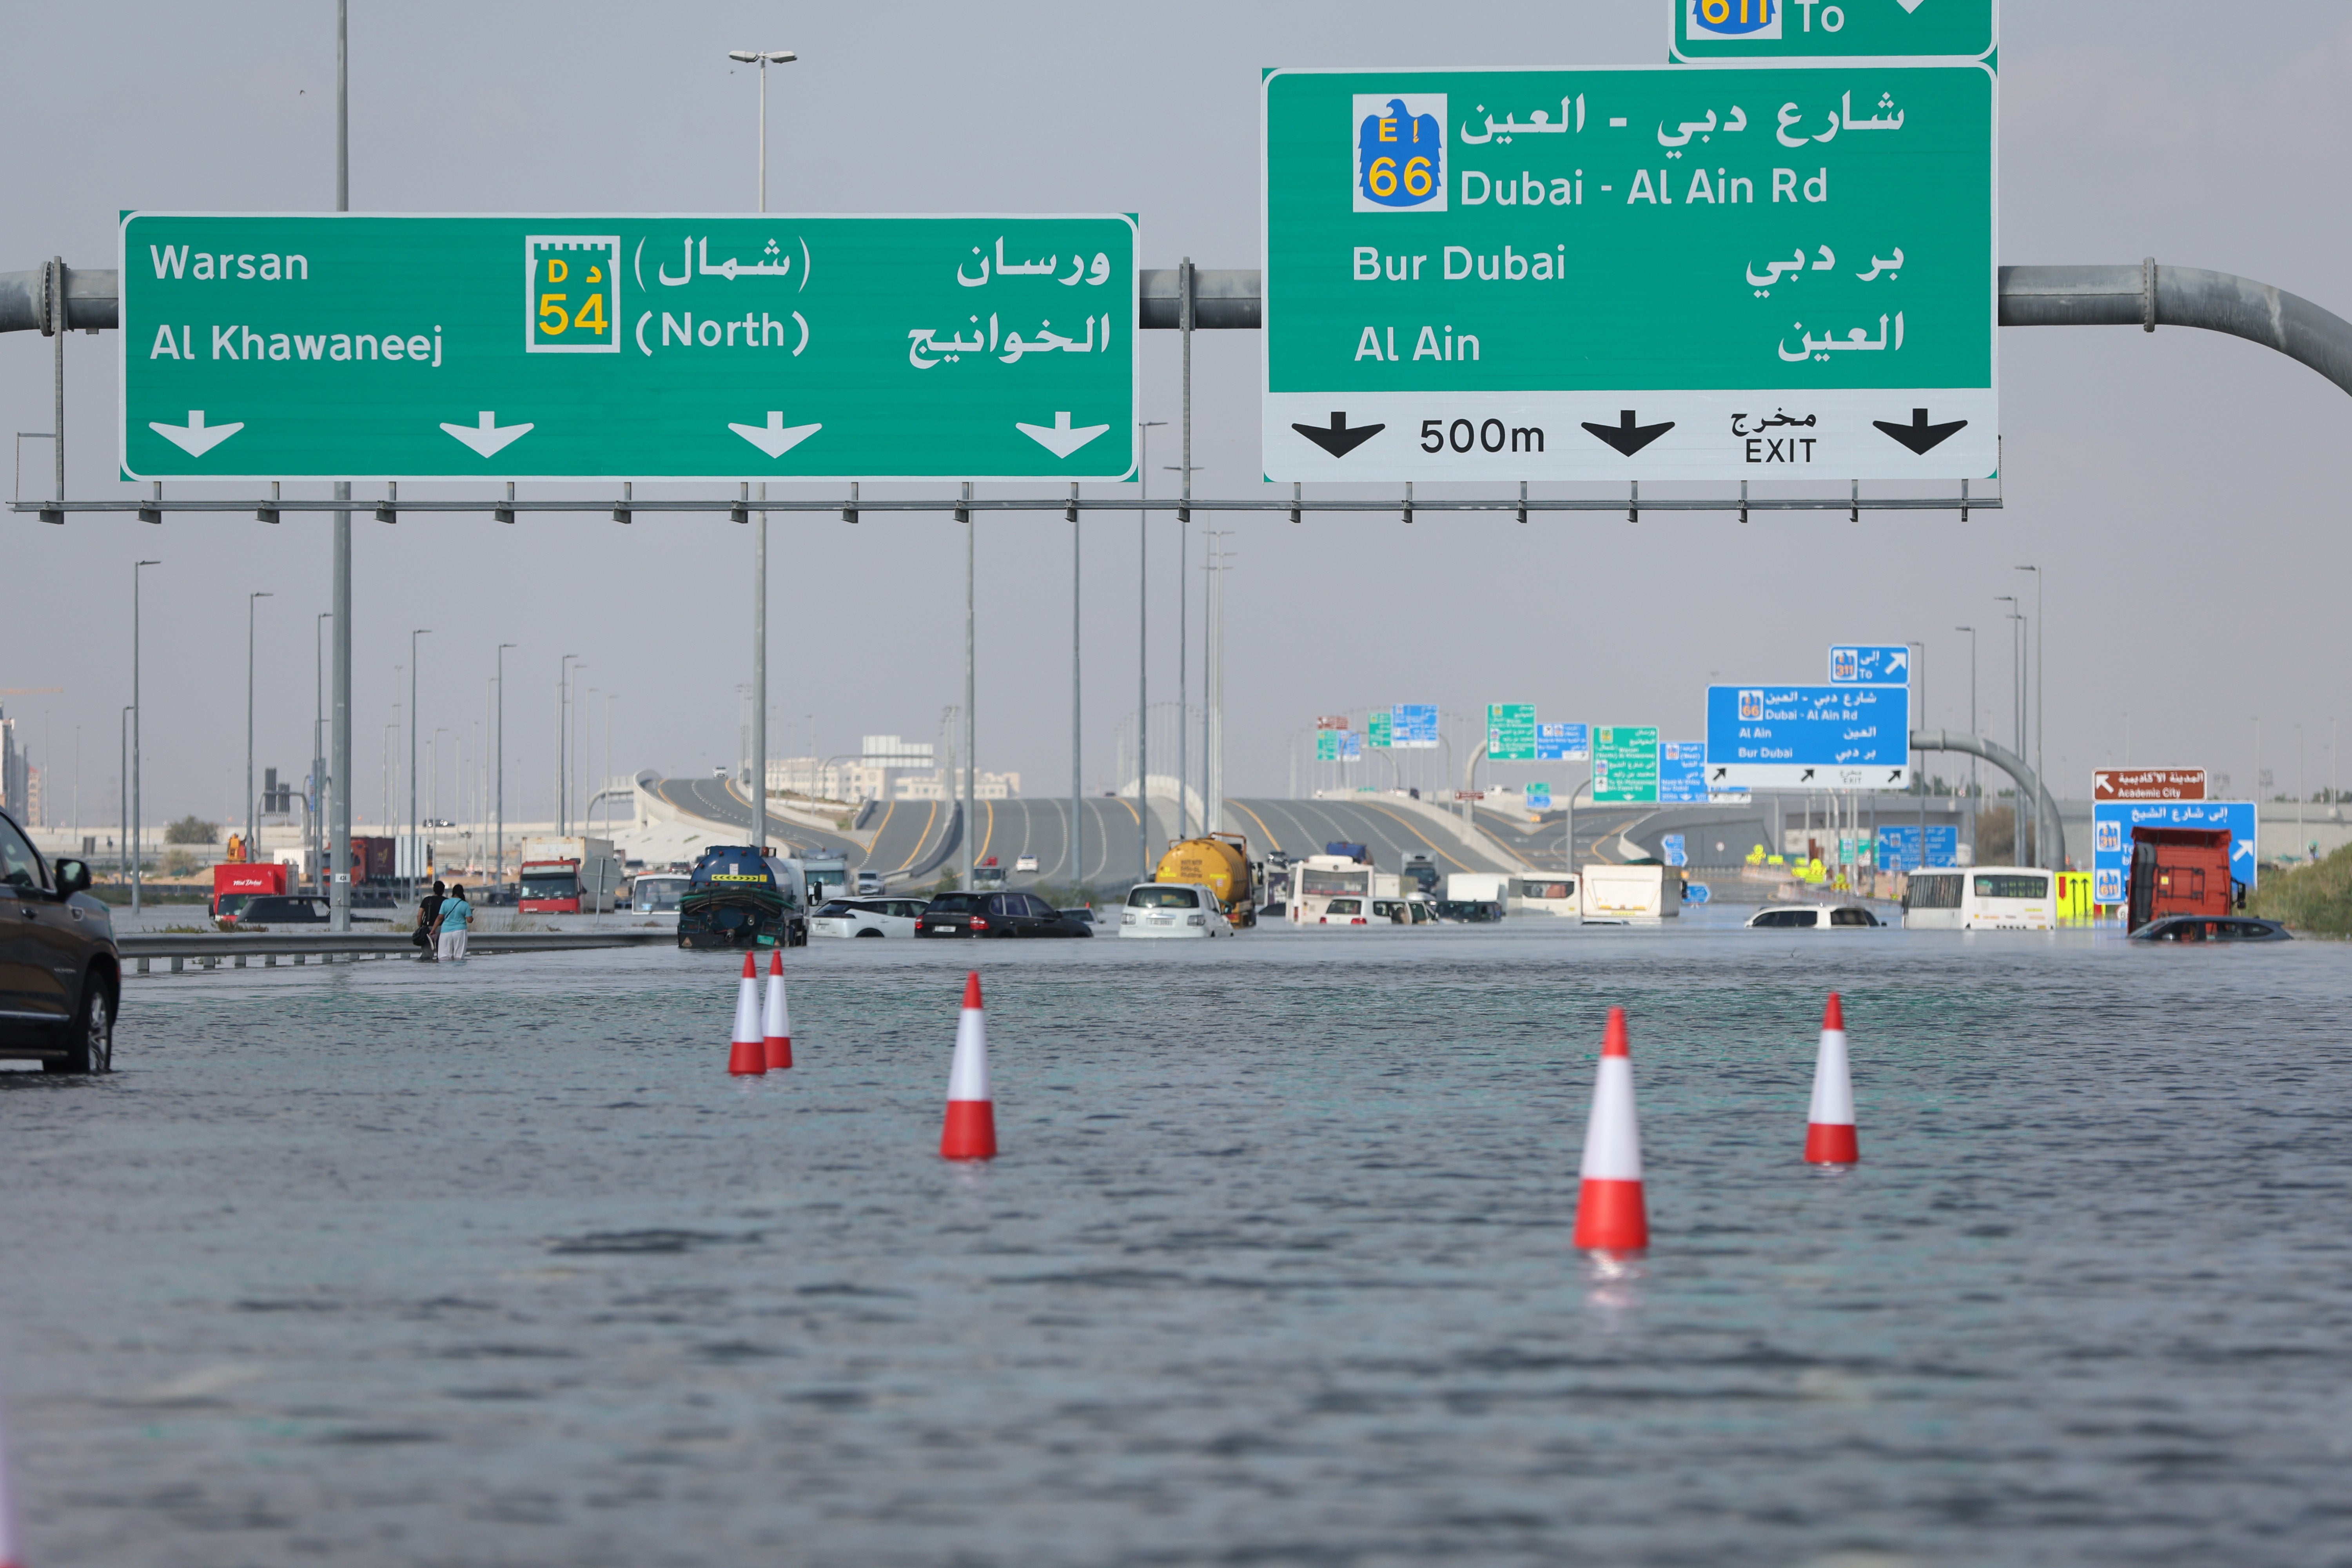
<point x="1332" y="721"/>
<point x="2147" y="783"/>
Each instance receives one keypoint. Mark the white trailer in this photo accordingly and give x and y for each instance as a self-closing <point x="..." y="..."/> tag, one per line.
<point x="1631" y="895"/>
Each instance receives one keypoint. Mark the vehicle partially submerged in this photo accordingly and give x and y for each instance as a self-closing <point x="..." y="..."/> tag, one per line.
<point x="737" y="897"/>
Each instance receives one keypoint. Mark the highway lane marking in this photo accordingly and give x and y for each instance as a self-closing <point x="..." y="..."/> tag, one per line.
<point x="989" y="835"/>
<point x="1416" y="832"/>
<point x="1271" y="842"/>
<point x="920" y="838"/>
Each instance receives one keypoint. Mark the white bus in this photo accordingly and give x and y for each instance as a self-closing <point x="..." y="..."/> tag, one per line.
<point x="1542" y="893"/>
<point x="1318" y="881"/>
<point x="1981" y="897"/>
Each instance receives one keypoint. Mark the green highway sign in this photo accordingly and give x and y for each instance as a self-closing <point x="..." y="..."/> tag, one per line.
<point x="573" y="347"/>
<point x="1625" y="764"/>
<point x="1379" y="727"/>
<point x="1511" y="732"/>
<point x="1647" y="272"/>
<point x="1718" y="30"/>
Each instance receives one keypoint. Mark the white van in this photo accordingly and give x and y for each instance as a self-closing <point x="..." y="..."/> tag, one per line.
<point x="1174" y="910"/>
<point x="1627" y="895"/>
<point x="1543" y="893"/>
<point x="1981" y="897"/>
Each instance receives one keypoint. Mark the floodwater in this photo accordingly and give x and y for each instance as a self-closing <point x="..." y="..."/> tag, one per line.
<point x="495" y="1265"/>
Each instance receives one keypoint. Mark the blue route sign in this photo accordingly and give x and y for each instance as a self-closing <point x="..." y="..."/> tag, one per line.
<point x="2111" y="846"/>
<point x="1537" y="796"/>
<point x="1808" y="737"/>
<point x="1870" y="664"/>
<point x="1682" y="775"/>
<point x="1563" y="742"/>
<point x="1676" y="852"/>
<point x="1898" y="847"/>
<point x="1417" y="726"/>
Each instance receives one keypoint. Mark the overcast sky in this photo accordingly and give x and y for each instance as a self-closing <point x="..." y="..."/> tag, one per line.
<point x="2184" y="491"/>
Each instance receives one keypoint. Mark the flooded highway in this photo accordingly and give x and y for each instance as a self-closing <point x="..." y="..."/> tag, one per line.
<point x="495" y="1264"/>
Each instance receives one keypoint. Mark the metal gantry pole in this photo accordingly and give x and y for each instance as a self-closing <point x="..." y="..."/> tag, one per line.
<point x="318" y="750"/>
<point x="1183" y="525"/>
<point x="137" y="806"/>
<point x="758" y="781"/>
<point x="1143" y="651"/>
<point x="970" y="730"/>
<point x="251" y="825"/>
<point x="338" y="772"/>
<point x="415" y="847"/>
<point x="123" y="782"/>
<point x="499" y="875"/>
<point x="2041" y="633"/>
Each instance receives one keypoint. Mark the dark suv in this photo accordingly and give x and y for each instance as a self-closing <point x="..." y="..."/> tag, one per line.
<point x="60" y="975"/>
<point x="996" y="914"/>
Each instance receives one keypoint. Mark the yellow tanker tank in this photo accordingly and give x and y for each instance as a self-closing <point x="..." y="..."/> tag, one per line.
<point x="1220" y="862"/>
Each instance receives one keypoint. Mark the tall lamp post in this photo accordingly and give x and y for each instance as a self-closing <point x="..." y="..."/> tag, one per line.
<point x="1143" y="652"/>
<point x="1975" y="785"/>
<point x="763" y="58"/>
<point x="338" y="890"/>
<point x="2041" y="759"/>
<point x="563" y="742"/>
<point x="250" y="814"/>
<point x="498" y="875"/>
<point x="2016" y="714"/>
<point x="318" y="754"/>
<point x="415" y="848"/>
<point x="138" y="833"/>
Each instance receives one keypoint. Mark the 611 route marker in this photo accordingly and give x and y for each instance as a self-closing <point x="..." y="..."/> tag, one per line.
<point x="1739" y="272"/>
<point x="350" y="346"/>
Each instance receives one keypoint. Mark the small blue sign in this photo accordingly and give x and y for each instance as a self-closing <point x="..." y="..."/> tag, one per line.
<point x="1352" y="745"/>
<point x="1674" y="848"/>
<point x="1537" y="796"/>
<point x="1808" y="737"/>
<point x="1682" y="774"/>
<point x="1563" y="742"/>
<point x="2111" y="847"/>
<point x="1870" y="664"/>
<point x="1416" y="726"/>
<point x="1697" y="892"/>
<point x="1898" y="846"/>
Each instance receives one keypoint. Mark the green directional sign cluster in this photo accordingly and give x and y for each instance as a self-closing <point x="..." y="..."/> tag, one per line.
<point x="1379" y="727"/>
<point x="1511" y="732"/>
<point x="779" y="346"/>
<point x="1720" y="30"/>
<point x="1625" y="764"/>
<point x="1633" y="272"/>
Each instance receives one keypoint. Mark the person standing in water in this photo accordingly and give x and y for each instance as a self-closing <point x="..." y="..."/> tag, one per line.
<point x="456" y="915"/>
<point x="428" y="912"/>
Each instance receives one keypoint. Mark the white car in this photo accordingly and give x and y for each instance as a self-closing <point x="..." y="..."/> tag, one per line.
<point x="866" y="917"/>
<point x="1024" y="863"/>
<point x="1174" y="910"/>
<point x="1808" y="916"/>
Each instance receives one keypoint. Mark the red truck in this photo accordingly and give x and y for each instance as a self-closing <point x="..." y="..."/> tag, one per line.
<point x="2179" y="871"/>
<point x="234" y="881"/>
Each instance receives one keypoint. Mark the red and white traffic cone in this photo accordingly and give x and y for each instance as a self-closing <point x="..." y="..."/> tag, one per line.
<point x="1829" y="1126"/>
<point x="1610" y="1216"/>
<point x="750" y="1053"/>
<point x="970" y="1131"/>
<point x="10" y="1557"/>
<point x="779" y="1016"/>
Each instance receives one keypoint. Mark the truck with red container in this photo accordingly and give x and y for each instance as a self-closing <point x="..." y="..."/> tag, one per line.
<point x="236" y="881"/>
<point x="2179" y="871"/>
<point x="569" y="875"/>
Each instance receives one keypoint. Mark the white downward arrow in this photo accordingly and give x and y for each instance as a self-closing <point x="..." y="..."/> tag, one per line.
<point x="1908" y="5"/>
<point x="776" y="437"/>
<point x="193" y="438"/>
<point x="488" y="438"/>
<point x="1059" y="438"/>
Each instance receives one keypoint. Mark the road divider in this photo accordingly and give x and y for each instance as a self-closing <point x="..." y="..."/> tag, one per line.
<point x="208" y="950"/>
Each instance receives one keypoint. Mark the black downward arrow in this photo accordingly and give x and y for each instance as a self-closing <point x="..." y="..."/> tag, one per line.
<point x="1919" y="436"/>
<point x="1627" y="437"/>
<point x="1339" y="440"/>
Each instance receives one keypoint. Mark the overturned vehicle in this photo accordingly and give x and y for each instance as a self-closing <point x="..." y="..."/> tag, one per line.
<point x="738" y="898"/>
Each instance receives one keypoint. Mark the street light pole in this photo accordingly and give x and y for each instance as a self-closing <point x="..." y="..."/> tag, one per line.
<point x="499" y="876"/>
<point x="2041" y="758"/>
<point x="338" y="772"/>
<point x="318" y="750"/>
<point x="2016" y="716"/>
<point x="413" y="845"/>
<point x="138" y="807"/>
<point x="758" y="781"/>
<point x="563" y="744"/>
<point x="1975" y="786"/>
<point x="1143" y="652"/>
<point x="250" y="814"/>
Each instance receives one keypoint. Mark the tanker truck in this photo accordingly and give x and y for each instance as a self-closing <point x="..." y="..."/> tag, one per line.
<point x="1220" y="862"/>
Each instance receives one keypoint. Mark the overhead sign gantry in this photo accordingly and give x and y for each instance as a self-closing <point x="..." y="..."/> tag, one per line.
<point x="351" y="346"/>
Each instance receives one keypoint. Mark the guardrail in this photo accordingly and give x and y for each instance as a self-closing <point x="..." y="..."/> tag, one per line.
<point x="207" y="949"/>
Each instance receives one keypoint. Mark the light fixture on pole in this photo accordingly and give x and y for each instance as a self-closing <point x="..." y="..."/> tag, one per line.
<point x="251" y="825"/>
<point x="763" y="58"/>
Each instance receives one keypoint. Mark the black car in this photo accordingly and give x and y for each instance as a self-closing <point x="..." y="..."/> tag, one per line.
<point x="997" y="914"/>
<point x="291" y="909"/>
<point x="2206" y="928"/>
<point x="1469" y="912"/>
<point x="60" y="974"/>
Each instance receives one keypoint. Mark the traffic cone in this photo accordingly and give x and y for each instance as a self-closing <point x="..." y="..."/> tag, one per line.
<point x="970" y="1131"/>
<point x="1610" y="1216"/>
<point x="751" y="1052"/>
<point x="779" y="1016"/>
<point x="1829" y="1126"/>
<point x="8" y="1554"/>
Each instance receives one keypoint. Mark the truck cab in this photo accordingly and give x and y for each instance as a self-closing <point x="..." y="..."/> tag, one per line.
<point x="737" y="897"/>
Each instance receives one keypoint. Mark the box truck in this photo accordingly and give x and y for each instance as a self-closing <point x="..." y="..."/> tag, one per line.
<point x="570" y="875"/>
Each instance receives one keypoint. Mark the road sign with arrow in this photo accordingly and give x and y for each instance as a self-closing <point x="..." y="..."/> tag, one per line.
<point x="350" y="346"/>
<point x="1780" y="272"/>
